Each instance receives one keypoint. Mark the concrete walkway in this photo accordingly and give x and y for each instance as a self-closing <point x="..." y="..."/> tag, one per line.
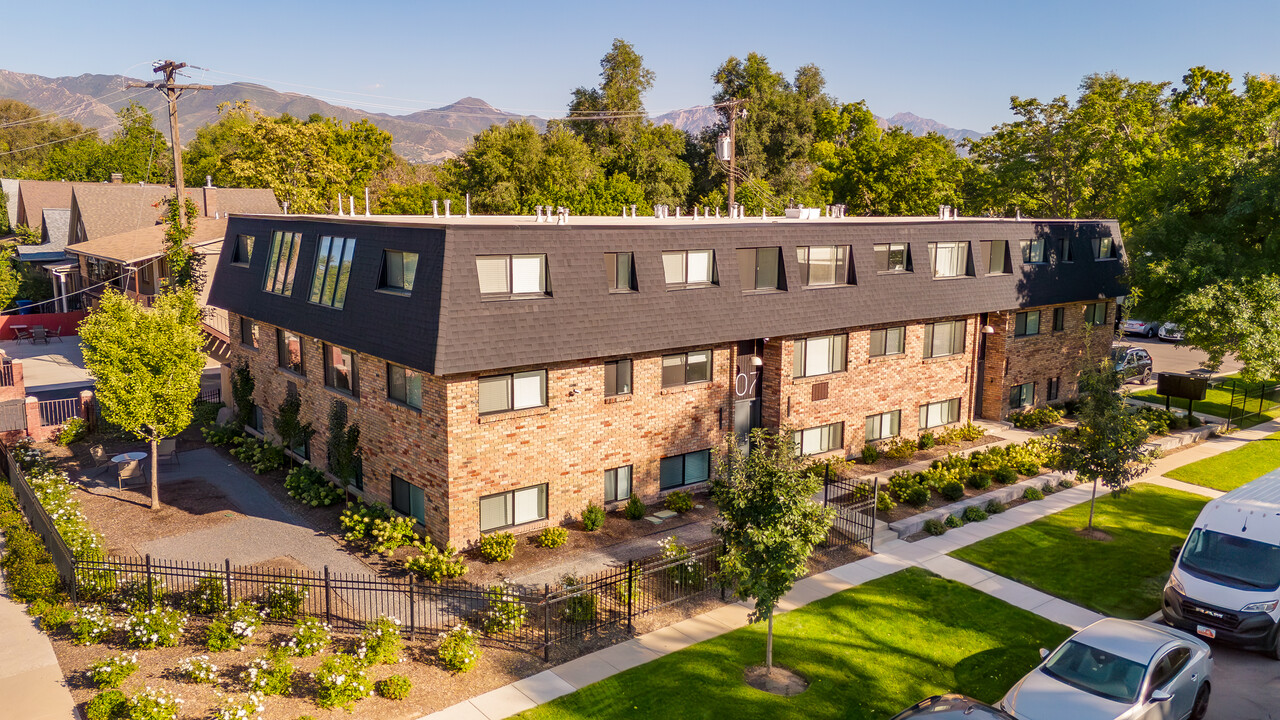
<point x="930" y="553"/>
<point x="31" y="681"/>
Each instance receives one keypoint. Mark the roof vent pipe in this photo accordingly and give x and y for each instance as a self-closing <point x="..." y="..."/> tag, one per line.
<point x="447" y="202"/>
<point x="942" y="212"/>
<point x="633" y="210"/>
<point x="1017" y="213"/>
<point x="339" y="204"/>
<point x="435" y="208"/>
<point x="717" y="212"/>
<point x="208" y="181"/>
<point x="286" y="207"/>
<point x="468" y="204"/>
<point x="352" y="198"/>
<point x="366" y="201"/>
<point x="678" y="211"/>
<point x="695" y="212"/>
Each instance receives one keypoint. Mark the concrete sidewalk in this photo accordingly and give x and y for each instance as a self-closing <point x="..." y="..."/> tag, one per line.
<point x="31" y="682"/>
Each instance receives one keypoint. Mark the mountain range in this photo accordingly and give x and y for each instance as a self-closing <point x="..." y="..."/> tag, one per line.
<point x="424" y="136"/>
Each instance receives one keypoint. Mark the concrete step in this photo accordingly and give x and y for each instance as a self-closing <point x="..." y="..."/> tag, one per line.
<point x="884" y="536"/>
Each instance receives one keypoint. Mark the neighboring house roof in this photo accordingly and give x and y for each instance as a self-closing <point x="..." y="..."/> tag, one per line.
<point x="36" y="195"/>
<point x="10" y="189"/>
<point x="101" y="211"/>
<point x="241" y="200"/>
<point x="146" y="243"/>
<point x="56" y="223"/>
<point x="445" y="326"/>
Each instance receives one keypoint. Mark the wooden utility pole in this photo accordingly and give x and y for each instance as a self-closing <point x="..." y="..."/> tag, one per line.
<point x="172" y="92"/>
<point x="733" y="112"/>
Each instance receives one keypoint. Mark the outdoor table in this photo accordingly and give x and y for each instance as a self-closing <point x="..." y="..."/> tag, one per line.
<point x="123" y="460"/>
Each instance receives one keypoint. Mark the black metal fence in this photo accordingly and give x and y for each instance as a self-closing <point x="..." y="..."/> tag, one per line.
<point x="854" y="501"/>
<point x="212" y="395"/>
<point x="1248" y="400"/>
<point x="41" y="523"/>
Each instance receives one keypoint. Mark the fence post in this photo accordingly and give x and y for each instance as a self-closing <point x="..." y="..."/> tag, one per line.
<point x="328" y="595"/>
<point x="151" y="592"/>
<point x="875" y="503"/>
<point x="413" y="633"/>
<point x="546" y="623"/>
<point x="723" y="585"/>
<point x="826" y="486"/>
<point x="631" y="596"/>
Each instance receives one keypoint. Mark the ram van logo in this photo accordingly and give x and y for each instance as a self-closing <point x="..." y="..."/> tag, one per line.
<point x="1210" y="613"/>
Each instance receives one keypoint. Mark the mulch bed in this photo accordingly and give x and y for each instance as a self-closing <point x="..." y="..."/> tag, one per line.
<point x="885" y="465"/>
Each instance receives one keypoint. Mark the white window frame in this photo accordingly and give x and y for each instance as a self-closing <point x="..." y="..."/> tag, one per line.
<point x="883" y="425"/>
<point x="944" y="412"/>
<point x="882" y="348"/>
<point x="832" y="257"/>
<point x="888" y="250"/>
<point x="949" y="259"/>
<point x="810" y="358"/>
<point x="820" y="439"/>
<point x="950" y="331"/>
<point x="518" y="503"/>
<point x="513" y="275"/>
<point x="689" y="268"/>
<point x="514" y="386"/>
<point x="615" y="479"/>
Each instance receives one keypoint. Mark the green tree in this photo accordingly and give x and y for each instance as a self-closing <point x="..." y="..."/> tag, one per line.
<point x="611" y="113"/>
<point x="768" y="520"/>
<point x="1106" y="445"/>
<point x="146" y="364"/>
<point x="136" y="150"/>
<point x="11" y="278"/>
<point x="186" y="266"/>
<point x="28" y="137"/>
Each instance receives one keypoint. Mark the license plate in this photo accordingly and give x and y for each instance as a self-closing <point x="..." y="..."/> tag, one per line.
<point x="1206" y="631"/>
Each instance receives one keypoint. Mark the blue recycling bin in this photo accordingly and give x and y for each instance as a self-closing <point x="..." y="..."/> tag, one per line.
<point x="24" y="307"/>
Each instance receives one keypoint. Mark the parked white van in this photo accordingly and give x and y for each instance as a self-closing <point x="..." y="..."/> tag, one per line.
<point x="1226" y="581"/>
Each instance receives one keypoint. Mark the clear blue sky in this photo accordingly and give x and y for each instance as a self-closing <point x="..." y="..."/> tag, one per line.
<point x="955" y="62"/>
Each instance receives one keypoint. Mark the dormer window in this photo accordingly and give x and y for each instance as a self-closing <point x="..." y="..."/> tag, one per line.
<point x="689" y="268"/>
<point x="1033" y="251"/>
<point x="760" y="268"/>
<point x="950" y="259"/>
<point x="823" y="265"/>
<point x="1104" y="248"/>
<point x="512" y="275"/>
<point x="893" y="257"/>
<point x="333" y="271"/>
<point x="620" y="272"/>
<point x="398" y="269"/>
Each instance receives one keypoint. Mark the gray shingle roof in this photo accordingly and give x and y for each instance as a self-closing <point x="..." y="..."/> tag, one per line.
<point x="56" y="224"/>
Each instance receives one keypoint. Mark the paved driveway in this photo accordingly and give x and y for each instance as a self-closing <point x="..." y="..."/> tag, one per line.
<point x="1246" y="686"/>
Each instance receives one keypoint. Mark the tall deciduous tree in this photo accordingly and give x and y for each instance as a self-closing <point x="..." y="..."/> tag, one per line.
<point x="768" y="520"/>
<point x="146" y="364"/>
<point x="28" y="137"/>
<point x="136" y="150"/>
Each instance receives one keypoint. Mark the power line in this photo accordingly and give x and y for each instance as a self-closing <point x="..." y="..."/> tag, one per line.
<point x="61" y="140"/>
<point x="67" y="108"/>
<point x="87" y="289"/>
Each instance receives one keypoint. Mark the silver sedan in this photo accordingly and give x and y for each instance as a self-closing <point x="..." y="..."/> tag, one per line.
<point x="1117" y="670"/>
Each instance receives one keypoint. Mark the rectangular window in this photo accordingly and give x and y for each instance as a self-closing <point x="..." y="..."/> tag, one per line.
<point x="689" y="267"/>
<point x="1059" y="318"/>
<point x="996" y="257"/>
<point x="819" y="355"/>
<point x="1026" y="323"/>
<point x="1095" y="313"/>
<point x="289" y="349"/>
<point x="620" y="270"/>
<point x="1064" y="250"/>
<point x="888" y="341"/>
<point x="408" y="499"/>
<point x="512" y="274"/>
<point x="404" y="385"/>
<point x="282" y="263"/>
<point x="893" y="257"/>
<point x="944" y="338"/>
<point x="822" y="265"/>
<point x="1051" y="389"/>
<point x="884" y="425"/>
<point x="398" y="269"/>
<point x="686" y="368"/>
<point x="617" y="377"/>
<point x="939" y="413"/>
<point x="1104" y="248"/>
<point x="760" y="268"/>
<point x="687" y="469"/>
<point x="333" y="271"/>
<point x="243" y="251"/>
<point x="617" y="484"/>
<point x="1033" y="251"/>
<point x="950" y="259"/>
<point x="340" y="370"/>
<point x="824" y="438"/>
<point x="257" y="422"/>
<point x="248" y="332"/>
<point x="1022" y="395"/>
<point x="518" y="391"/>
<point x="515" y="507"/>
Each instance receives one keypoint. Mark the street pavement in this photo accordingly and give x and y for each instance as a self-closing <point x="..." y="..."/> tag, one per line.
<point x="1174" y="357"/>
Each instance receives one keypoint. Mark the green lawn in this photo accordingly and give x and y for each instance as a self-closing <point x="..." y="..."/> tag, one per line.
<point x="1123" y="577"/>
<point x="1232" y="469"/>
<point x="867" y="652"/>
<point x="1217" y="402"/>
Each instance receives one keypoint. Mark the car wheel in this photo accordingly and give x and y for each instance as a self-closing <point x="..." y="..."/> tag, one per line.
<point x="1151" y="333"/>
<point x="1201" y="706"/>
<point x="1146" y="376"/>
<point x="1274" y="652"/>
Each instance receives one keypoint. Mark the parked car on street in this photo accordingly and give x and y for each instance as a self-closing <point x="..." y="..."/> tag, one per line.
<point x="1132" y="362"/>
<point x="1140" y="327"/>
<point x="1170" y="332"/>
<point x="1117" y="670"/>
<point x="952" y="707"/>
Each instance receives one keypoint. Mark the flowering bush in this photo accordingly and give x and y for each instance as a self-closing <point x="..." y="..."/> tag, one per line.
<point x="106" y="705"/>
<point x="134" y="595"/>
<point x="498" y="547"/>
<point x="381" y="643"/>
<point x="112" y="672"/>
<point x="552" y="537"/>
<point x="154" y="628"/>
<point x="357" y="520"/>
<point x="458" y="650"/>
<point x="270" y="674"/>
<point x="391" y="533"/>
<point x="341" y="682"/>
<point x="198" y="669"/>
<point x="209" y="596"/>
<point x="283" y="600"/>
<point x="234" y="628"/>
<point x="310" y="637"/>
<point x="154" y="704"/>
<point x="396" y="687"/>
<point x="72" y="431"/>
<point x="436" y="565"/>
<point x="682" y="568"/>
<point x="91" y="625"/>
<point x="261" y="455"/>
<point x="503" y="612"/>
<point x="245" y="708"/>
<point x="580" y="606"/>
<point x="56" y="494"/>
<point x="308" y="485"/>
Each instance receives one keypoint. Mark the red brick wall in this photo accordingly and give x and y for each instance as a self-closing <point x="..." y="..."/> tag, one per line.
<point x="17" y="390"/>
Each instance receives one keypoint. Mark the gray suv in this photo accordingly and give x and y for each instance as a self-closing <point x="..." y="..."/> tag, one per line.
<point x="1132" y="362"/>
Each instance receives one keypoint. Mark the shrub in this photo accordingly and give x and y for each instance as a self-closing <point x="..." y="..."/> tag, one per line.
<point x="995" y="507"/>
<point x="436" y="565"/>
<point x="628" y="590"/>
<point x="1033" y="494"/>
<point x="979" y="480"/>
<point x="309" y="486"/>
<point x="953" y="521"/>
<point x="391" y="533"/>
<point x="933" y="526"/>
<point x="150" y="629"/>
<point x="952" y="490"/>
<point x="221" y="435"/>
<point x="917" y="496"/>
<point x="73" y="431"/>
<point x="357" y="520"/>
<point x="270" y="674"/>
<point x="234" y="628"/>
<point x="135" y="595"/>
<point x="1005" y="475"/>
<point x="1066" y="484"/>
<point x="1156" y="420"/>
<point x="90" y="625"/>
<point x="341" y="682"/>
<point x="396" y="687"/>
<point x="204" y="413"/>
<point x="310" y="637"/>
<point x="247" y="708"/>
<point x="458" y="651"/>
<point x="551" y="537"/>
<point x="209" y="596"/>
<point x="1179" y="423"/>
<point x="498" y="547"/>
<point x="870" y="454"/>
<point x="198" y="669"/>
<point x="154" y="704"/>
<point x="592" y="517"/>
<point x="683" y="568"/>
<point x="973" y="513"/>
<point x="680" y="501"/>
<point x="970" y="432"/>
<point x="635" y="509"/>
<point x="109" y="705"/>
<point x="899" y="448"/>
<point x="926" y="440"/>
<point x="56" y="618"/>
<point x="503" y="611"/>
<point x="261" y="455"/>
<point x="381" y="644"/>
<point x="112" y="672"/>
<point x="283" y="600"/>
<point x="1048" y="488"/>
<point x="579" y="607"/>
<point x="884" y="503"/>
<point x="1193" y="421"/>
<point x="900" y="483"/>
<point x="1034" y="419"/>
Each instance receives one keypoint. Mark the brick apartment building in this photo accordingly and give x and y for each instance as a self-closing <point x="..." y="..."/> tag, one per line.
<point x="506" y="371"/>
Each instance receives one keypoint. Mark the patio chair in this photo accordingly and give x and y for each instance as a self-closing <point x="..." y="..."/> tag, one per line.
<point x="128" y="471"/>
<point x="23" y="335"/>
<point x="55" y="333"/>
<point x="40" y="334"/>
<point x="168" y="450"/>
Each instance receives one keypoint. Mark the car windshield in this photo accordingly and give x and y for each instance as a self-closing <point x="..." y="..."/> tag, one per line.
<point x="1096" y="671"/>
<point x="1232" y="559"/>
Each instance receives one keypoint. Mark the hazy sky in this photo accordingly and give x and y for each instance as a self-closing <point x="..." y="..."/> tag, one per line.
<point x="955" y="62"/>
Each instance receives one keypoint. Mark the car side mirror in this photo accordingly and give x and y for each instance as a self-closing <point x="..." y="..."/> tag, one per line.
<point x="1159" y="696"/>
<point x="1043" y="653"/>
<point x="1173" y="552"/>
